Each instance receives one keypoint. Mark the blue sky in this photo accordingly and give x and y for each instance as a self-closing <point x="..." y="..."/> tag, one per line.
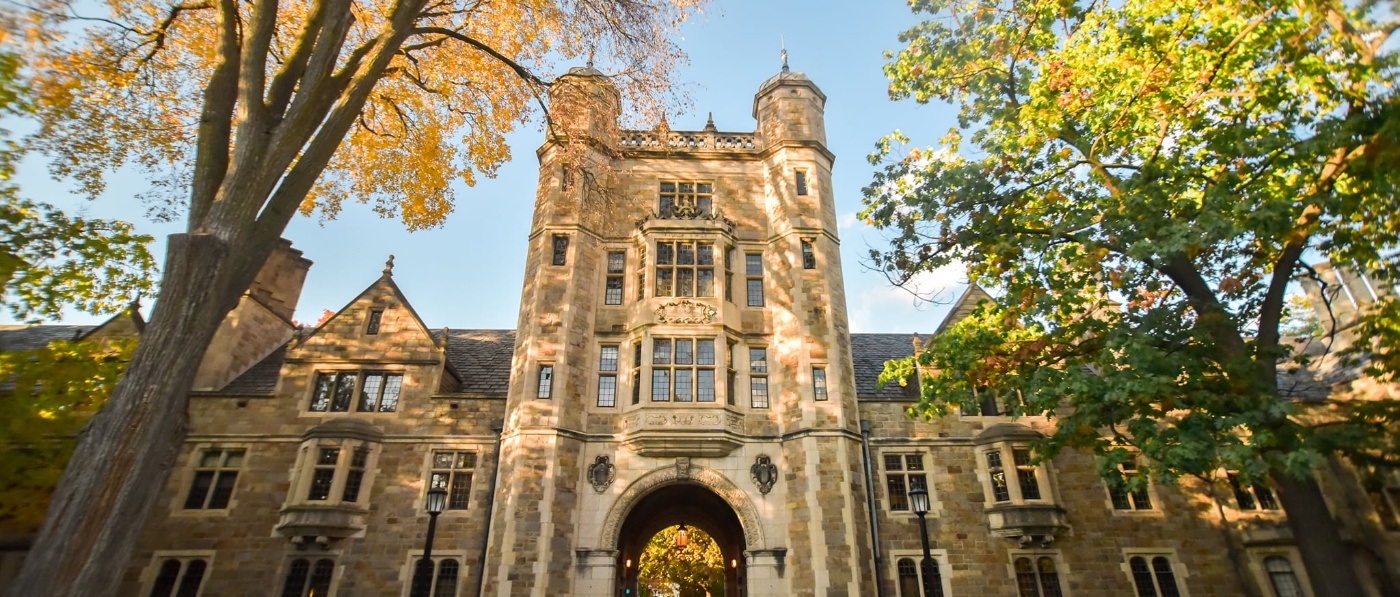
<point x="468" y="273"/>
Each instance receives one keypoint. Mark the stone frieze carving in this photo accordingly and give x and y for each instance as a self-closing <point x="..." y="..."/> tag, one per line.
<point x="685" y="311"/>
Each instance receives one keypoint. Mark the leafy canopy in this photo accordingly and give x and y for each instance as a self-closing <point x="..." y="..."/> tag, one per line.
<point x="696" y="569"/>
<point x="1140" y="181"/>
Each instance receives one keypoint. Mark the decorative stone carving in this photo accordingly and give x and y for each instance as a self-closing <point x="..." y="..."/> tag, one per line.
<point x="682" y="468"/>
<point x="764" y="474"/>
<point x="601" y="474"/>
<point x="705" y="477"/>
<point x="685" y="311"/>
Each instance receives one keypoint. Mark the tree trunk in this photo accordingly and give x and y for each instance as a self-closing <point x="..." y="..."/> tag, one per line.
<point x="125" y="453"/>
<point x="1318" y="537"/>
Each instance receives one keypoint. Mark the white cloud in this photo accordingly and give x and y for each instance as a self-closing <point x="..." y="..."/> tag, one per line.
<point x="878" y="306"/>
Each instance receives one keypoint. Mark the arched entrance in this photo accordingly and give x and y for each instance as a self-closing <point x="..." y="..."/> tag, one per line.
<point x="693" y="505"/>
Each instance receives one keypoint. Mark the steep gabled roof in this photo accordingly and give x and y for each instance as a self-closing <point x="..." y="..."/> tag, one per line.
<point x="964" y="306"/>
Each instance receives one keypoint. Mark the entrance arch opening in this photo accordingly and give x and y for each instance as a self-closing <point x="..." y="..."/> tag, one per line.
<point x="694" y="506"/>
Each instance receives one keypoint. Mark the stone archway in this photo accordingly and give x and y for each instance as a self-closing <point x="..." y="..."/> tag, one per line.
<point x="697" y="497"/>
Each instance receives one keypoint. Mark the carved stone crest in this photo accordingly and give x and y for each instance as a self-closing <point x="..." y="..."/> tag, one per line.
<point x="601" y="474"/>
<point x="685" y="311"/>
<point x="683" y="468"/>
<point x="764" y="474"/>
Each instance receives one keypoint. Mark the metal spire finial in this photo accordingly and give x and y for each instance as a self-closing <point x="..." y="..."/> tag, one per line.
<point x="783" y="43"/>
<point x="389" y="266"/>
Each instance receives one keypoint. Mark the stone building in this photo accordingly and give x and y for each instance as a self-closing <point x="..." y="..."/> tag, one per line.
<point x="682" y="357"/>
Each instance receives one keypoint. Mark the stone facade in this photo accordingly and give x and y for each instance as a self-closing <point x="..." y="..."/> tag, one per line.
<point x="682" y="356"/>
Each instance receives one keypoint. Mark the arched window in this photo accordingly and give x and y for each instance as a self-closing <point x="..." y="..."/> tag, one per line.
<point x="179" y="578"/>
<point x="439" y="581"/>
<point x="304" y="580"/>
<point x="909" y="578"/>
<point x="1281" y="577"/>
<point x="1156" y="580"/>
<point x="1038" y="578"/>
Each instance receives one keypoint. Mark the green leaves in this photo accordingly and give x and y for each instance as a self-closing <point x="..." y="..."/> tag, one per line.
<point x="1139" y="181"/>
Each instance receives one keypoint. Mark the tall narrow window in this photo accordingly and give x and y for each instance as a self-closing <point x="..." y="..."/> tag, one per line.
<point x="903" y="473"/>
<point x="1281" y="577"/>
<point x="453" y="470"/>
<point x="1025" y="474"/>
<point x="607" y="376"/>
<point x="546" y="382"/>
<point x="435" y="581"/>
<point x="758" y="377"/>
<point x="306" y="580"/>
<point x="214" y="479"/>
<point x="685" y="268"/>
<point x="1038" y="578"/>
<point x="1136" y="499"/>
<point x="179" y="577"/>
<point x="910" y="584"/>
<point x="617" y="263"/>
<point x="1001" y="492"/>
<point x="561" y="249"/>
<point x="819" y="383"/>
<point x="1154" y="579"/>
<point x="801" y="182"/>
<point x="730" y="373"/>
<point x="355" y="477"/>
<point x="809" y="257"/>
<point x="372" y="326"/>
<point x="729" y="274"/>
<point x="1251" y="496"/>
<point x="686" y="199"/>
<point x="753" y="270"/>
<point x="637" y="373"/>
<point x="323" y="474"/>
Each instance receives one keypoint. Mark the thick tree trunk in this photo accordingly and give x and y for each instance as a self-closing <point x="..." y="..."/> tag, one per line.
<point x="1319" y="539"/>
<point x="125" y="454"/>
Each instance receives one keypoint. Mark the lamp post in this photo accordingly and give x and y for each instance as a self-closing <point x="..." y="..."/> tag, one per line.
<point x="918" y="500"/>
<point x="423" y="578"/>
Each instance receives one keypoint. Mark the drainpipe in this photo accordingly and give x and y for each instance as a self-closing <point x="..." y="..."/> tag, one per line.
<point x="870" y="506"/>
<point x="496" y="427"/>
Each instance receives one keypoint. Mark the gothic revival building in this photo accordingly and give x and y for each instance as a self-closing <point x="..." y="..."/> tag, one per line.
<point x="683" y="356"/>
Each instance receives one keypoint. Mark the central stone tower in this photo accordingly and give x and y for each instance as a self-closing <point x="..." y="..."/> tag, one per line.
<point x="682" y="356"/>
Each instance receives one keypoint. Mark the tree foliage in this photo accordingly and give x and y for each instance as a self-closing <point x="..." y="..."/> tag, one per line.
<point x="1139" y="182"/>
<point x="696" y="569"/>
<point x="50" y="393"/>
<point x="50" y="260"/>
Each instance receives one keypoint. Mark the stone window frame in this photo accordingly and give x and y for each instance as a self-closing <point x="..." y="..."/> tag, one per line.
<point x="614" y="277"/>
<point x="1154" y="508"/>
<point x="940" y="557"/>
<point x="559" y="250"/>
<point x="1230" y="481"/>
<point x="544" y="381"/>
<point x="313" y="558"/>
<point x="1045" y="478"/>
<point x="821" y="384"/>
<point x="305" y="467"/>
<point x="361" y="373"/>
<point x="750" y="374"/>
<point x="439" y="556"/>
<point x="754" y="300"/>
<point x="809" y="253"/>
<point x="675" y="267"/>
<point x="703" y="201"/>
<point x="191" y="472"/>
<point x="151" y="571"/>
<point x="802" y="183"/>
<point x="603" y="372"/>
<point x="1179" y="571"/>
<point x="1062" y="571"/>
<point x="935" y="505"/>
<point x="1256" y="556"/>
<point x="695" y="367"/>
<point x="373" y="321"/>
<point x="420" y="504"/>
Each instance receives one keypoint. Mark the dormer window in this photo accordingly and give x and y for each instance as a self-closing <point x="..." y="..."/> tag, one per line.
<point x="336" y="391"/>
<point x="686" y="199"/>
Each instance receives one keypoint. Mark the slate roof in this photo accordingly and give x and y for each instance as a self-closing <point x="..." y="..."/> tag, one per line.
<point x="38" y="336"/>
<point x="260" y="379"/>
<point x="481" y="357"/>
<point x="869" y="353"/>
